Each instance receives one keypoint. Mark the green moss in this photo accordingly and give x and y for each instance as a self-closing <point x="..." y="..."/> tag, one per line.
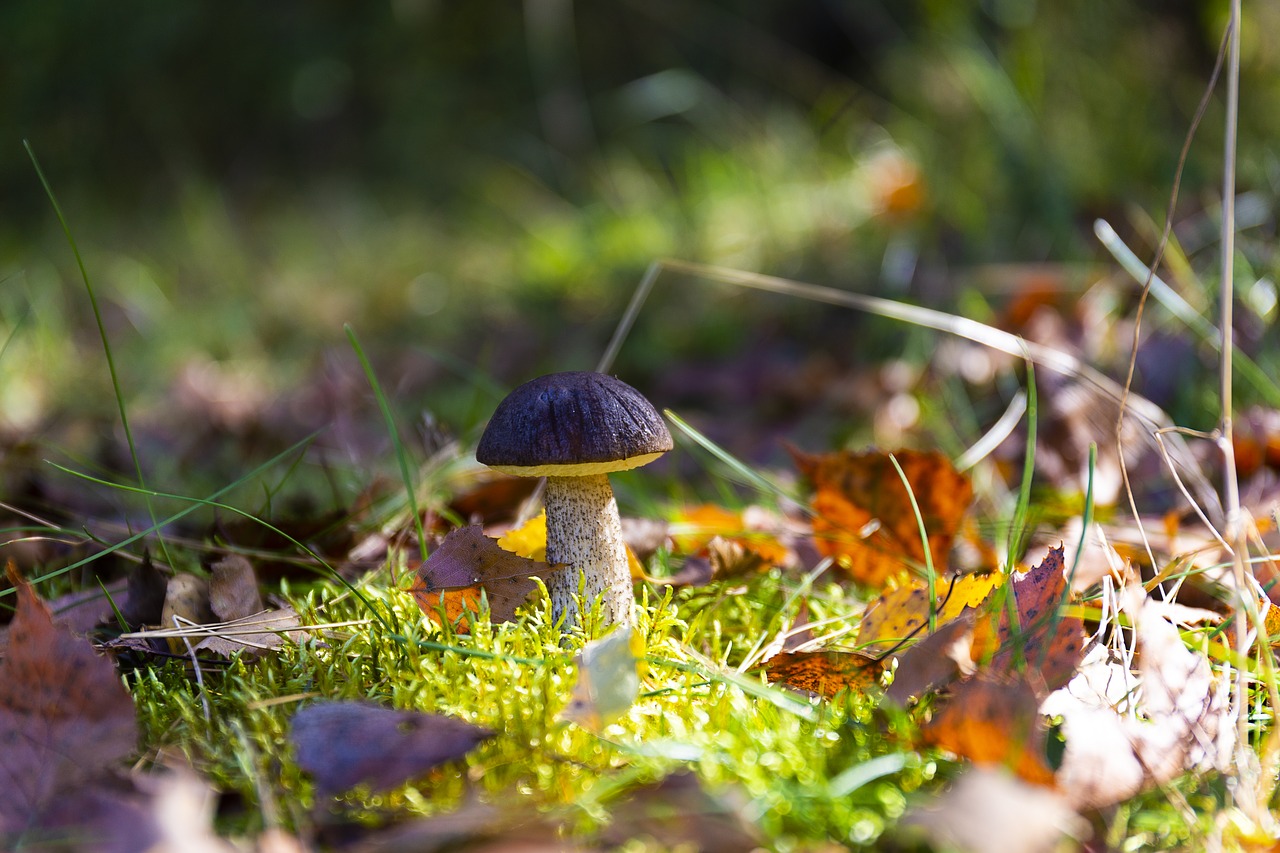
<point x="779" y="750"/>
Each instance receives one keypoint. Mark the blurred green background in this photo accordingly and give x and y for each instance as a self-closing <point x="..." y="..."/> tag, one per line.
<point x="478" y="187"/>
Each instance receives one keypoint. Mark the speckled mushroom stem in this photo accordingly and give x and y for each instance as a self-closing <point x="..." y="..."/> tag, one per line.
<point x="585" y="534"/>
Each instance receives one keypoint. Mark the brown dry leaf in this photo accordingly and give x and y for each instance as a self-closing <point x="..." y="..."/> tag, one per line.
<point x="253" y="634"/>
<point x="466" y="563"/>
<point x="825" y="672"/>
<point x="79" y="612"/>
<point x="186" y="602"/>
<point x="938" y="659"/>
<point x="991" y="720"/>
<point x="64" y="715"/>
<point x="144" y="602"/>
<point x="344" y="744"/>
<point x="863" y="514"/>
<point x="1046" y="643"/>
<point x="233" y="589"/>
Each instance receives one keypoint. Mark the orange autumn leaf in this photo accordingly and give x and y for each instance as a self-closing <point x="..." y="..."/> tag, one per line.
<point x="1047" y="643"/>
<point x="708" y="522"/>
<point x="467" y="563"/>
<point x="991" y="720"/>
<point x="863" y="513"/>
<point x="825" y="672"/>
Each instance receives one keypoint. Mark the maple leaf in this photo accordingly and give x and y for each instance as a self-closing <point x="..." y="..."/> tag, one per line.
<point x="1046" y="642"/>
<point x="863" y="514"/>
<point x="64" y="715"/>
<point x="466" y="563"/>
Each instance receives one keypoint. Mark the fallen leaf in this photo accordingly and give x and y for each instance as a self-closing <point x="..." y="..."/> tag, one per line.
<point x="644" y="536"/>
<point x="825" y="672"/>
<point x="170" y="811"/>
<point x="991" y="720"/>
<point x="902" y="613"/>
<point x="233" y="589"/>
<point x="1044" y="642"/>
<point x="466" y="563"/>
<point x="608" y="680"/>
<point x="78" y="612"/>
<point x="938" y="659"/>
<point x="144" y="602"/>
<point x="344" y="744"/>
<point x="64" y="715"/>
<point x="893" y="618"/>
<point x="253" y="634"/>
<point x="186" y="603"/>
<point x="528" y="540"/>
<point x="863" y="513"/>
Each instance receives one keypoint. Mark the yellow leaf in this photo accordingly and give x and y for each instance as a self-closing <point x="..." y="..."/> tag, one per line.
<point x="527" y="540"/>
<point x="966" y="591"/>
<point x="903" y="612"/>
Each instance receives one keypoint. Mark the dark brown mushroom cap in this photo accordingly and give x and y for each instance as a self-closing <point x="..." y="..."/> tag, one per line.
<point x="573" y="424"/>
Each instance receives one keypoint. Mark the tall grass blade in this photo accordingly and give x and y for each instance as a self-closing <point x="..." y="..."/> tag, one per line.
<point x="930" y="574"/>
<point x="401" y="456"/>
<point x="97" y="312"/>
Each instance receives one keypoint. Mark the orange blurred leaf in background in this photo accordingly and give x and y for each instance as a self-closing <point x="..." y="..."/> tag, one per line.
<point x="863" y="514"/>
<point x="699" y="525"/>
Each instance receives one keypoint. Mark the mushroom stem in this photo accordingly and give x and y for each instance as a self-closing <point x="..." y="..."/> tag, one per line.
<point x="585" y="534"/>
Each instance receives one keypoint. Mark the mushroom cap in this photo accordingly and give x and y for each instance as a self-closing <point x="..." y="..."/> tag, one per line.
<point x="571" y="425"/>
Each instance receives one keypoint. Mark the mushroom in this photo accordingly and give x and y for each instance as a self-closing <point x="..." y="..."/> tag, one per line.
<point x="574" y="429"/>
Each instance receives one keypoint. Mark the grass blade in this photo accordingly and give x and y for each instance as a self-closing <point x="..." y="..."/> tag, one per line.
<point x="401" y="456"/>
